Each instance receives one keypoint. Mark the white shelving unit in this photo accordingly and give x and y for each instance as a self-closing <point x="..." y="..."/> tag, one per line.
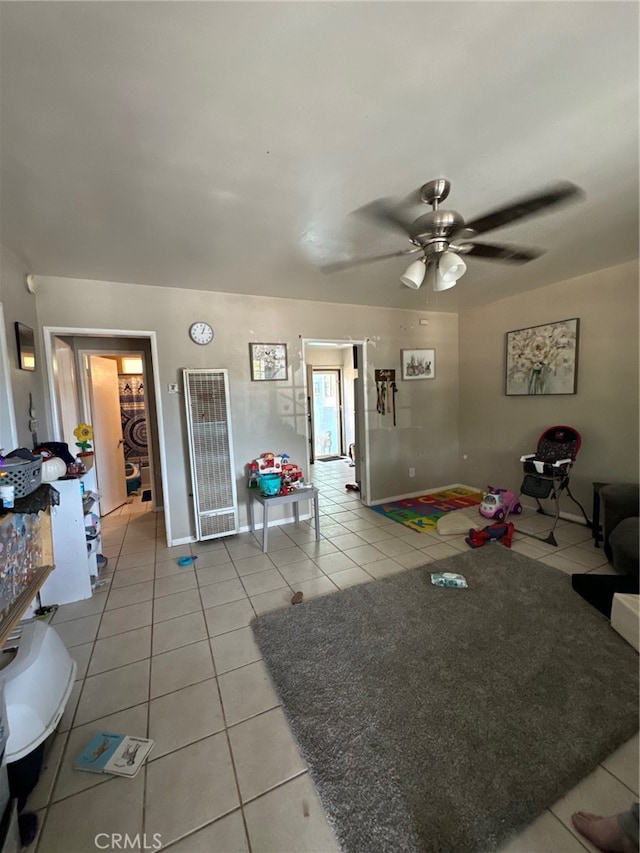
<point x="75" y="558"/>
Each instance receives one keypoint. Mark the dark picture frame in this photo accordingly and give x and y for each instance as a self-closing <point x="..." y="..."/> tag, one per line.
<point x="268" y="362"/>
<point x="542" y="360"/>
<point x="418" y="363"/>
<point x="25" y="341"/>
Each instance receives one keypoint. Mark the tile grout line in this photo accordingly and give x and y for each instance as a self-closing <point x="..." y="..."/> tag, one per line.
<point x="210" y="639"/>
<point x="224" y="721"/>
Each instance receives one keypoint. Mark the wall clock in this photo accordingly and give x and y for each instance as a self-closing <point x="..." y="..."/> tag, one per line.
<point x="201" y="333"/>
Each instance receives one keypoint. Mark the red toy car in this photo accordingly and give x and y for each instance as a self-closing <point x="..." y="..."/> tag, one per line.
<point x="496" y="503"/>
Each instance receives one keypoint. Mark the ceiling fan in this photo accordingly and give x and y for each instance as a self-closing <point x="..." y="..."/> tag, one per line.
<point x="442" y="237"/>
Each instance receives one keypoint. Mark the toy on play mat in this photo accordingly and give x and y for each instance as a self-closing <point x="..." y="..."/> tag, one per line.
<point x="499" y="503"/>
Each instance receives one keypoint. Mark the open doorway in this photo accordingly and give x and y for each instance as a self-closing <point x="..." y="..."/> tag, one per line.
<point x="89" y="372"/>
<point x="336" y="411"/>
<point x="123" y="383"/>
<point x="327" y="413"/>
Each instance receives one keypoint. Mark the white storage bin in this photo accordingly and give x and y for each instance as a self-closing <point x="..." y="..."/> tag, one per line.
<point x="37" y="679"/>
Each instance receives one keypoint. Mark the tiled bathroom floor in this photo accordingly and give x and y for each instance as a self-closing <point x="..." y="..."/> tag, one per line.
<point x="167" y="652"/>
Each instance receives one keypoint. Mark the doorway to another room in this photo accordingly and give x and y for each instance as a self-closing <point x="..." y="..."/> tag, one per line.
<point x="327" y="417"/>
<point x="336" y="410"/>
<point x="108" y="382"/>
<point x="129" y="433"/>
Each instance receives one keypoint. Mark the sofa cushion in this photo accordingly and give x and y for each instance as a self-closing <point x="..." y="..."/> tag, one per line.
<point x="624" y="542"/>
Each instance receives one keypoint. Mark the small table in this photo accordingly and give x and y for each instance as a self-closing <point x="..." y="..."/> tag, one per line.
<point x="294" y="497"/>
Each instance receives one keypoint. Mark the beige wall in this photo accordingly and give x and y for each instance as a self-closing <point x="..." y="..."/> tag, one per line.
<point x="495" y="430"/>
<point x="462" y="412"/>
<point x="20" y="306"/>
<point x="271" y="415"/>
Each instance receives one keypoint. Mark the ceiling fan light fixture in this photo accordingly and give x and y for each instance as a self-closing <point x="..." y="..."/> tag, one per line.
<point x="437" y="281"/>
<point x="414" y="274"/>
<point x="451" y="267"/>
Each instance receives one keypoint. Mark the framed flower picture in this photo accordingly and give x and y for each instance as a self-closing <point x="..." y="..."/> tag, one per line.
<point x="418" y="363"/>
<point x="268" y="362"/>
<point x="543" y="359"/>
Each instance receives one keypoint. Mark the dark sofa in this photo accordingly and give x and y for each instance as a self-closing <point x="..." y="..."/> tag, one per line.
<point x="621" y="526"/>
<point x="619" y="503"/>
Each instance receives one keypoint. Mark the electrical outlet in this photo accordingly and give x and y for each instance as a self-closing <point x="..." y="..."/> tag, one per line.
<point x="172" y="387"/>
<point x="412" y="472"/>
<point x="33" y="425"/>
<point x="423" y="321"/>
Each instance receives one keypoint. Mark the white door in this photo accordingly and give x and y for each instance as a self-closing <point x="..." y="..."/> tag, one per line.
<point x="108" y="444"/>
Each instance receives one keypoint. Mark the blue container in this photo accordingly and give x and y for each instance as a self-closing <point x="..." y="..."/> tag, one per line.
<point x="270" y="484"/>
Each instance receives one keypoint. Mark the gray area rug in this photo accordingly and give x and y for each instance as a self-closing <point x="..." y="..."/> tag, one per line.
<point x="447" y="719"/>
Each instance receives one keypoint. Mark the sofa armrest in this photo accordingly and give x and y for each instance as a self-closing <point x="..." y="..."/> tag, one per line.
<point x="618" y="501"/>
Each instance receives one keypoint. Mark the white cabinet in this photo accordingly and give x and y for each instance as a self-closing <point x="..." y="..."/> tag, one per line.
<point x="74" y="555"/>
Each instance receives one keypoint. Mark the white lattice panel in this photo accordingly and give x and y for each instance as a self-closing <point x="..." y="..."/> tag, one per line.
<point x="211" y="451"/>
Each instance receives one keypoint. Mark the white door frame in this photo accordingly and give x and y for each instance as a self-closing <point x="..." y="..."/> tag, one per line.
<point x="49" y="332"/>
<point x="364" y="415"/>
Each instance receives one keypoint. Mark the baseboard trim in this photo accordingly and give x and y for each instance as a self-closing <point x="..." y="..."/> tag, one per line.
<point x="425" y="492"/>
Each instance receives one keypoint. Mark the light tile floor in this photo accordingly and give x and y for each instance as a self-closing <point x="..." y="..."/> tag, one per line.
<point x="167" y="652"/>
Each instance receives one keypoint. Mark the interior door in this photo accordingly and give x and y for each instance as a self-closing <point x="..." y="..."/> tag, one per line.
<point x="107" y="433"/>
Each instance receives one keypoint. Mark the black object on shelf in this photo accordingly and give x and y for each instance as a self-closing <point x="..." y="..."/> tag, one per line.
<point x="44" y="496"/>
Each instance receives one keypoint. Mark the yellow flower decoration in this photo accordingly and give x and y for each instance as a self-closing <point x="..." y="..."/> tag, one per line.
<point x="84" y="434"/>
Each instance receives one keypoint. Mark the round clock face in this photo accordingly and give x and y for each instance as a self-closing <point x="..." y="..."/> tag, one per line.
<point x="201" y="333"/>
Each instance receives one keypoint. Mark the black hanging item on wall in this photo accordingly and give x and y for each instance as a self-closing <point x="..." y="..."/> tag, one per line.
<point x="394" y="391"/>
<point x="386" y="389"/>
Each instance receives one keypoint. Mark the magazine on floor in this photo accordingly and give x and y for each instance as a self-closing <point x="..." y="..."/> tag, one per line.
<point x="121" y="755"/>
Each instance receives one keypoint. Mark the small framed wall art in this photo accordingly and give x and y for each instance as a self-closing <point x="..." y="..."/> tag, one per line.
<point x="418" y="363"/>
<point x="268" y="362"/>
<point x="542" y="359"/>
<point x="26" y="347"/>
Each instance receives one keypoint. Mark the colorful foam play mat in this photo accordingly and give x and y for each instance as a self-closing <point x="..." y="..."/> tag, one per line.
<point x="422" y="514"/>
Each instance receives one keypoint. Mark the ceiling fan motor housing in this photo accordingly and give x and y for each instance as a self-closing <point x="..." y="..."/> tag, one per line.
<point x="441" y="224"/>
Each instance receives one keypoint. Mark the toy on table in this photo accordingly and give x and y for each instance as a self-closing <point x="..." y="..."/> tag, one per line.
<point x="266" y="463"/>
<point x="268" y="466"/>
<point x="497" y="503"/>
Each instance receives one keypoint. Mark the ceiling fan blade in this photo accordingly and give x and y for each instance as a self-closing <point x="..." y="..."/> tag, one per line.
<point x="384" y="211"/>
<point x="525" y="207"/>
<point x="345" y="265"/>
<point x="513" y="254"/>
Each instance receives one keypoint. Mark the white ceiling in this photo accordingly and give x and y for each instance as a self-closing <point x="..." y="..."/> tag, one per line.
<point x="221" y="146"/>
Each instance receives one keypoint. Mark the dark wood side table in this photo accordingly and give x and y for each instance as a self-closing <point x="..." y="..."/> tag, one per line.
<point x="596" y="531"/>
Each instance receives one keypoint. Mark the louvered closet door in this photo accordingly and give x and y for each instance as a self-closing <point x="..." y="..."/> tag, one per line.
<point x="211" y="450"/>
